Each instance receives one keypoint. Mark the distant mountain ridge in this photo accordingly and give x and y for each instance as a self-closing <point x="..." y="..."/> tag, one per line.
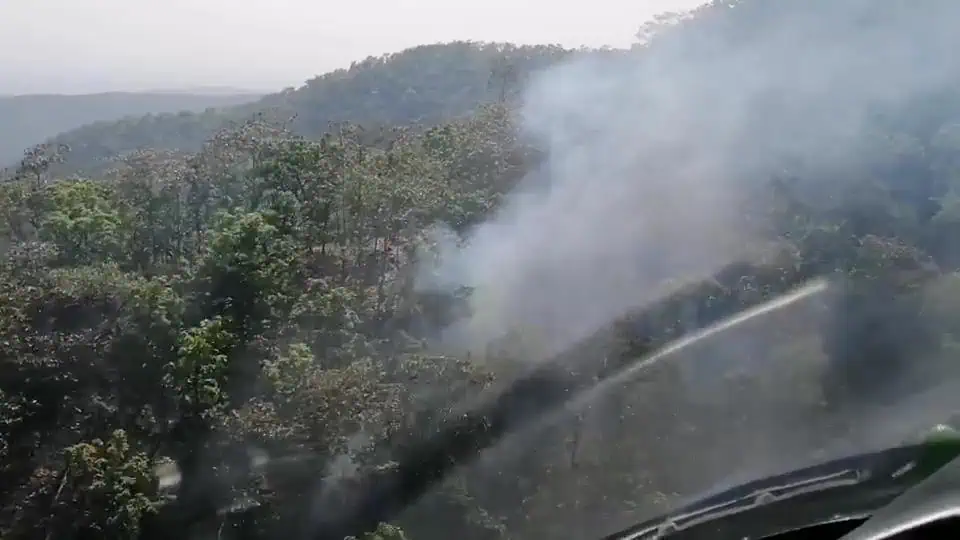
<point x="32" y="118"/>
<point x="425" y="84"/>
<point x="153" y="92"/>
<point x="208" y="91"/>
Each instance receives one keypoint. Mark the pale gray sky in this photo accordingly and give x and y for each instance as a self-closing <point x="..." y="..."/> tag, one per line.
<point x="96" y="45"/>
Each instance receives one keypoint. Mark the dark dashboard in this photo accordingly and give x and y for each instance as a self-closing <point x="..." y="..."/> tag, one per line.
<point x="905" y="492"/>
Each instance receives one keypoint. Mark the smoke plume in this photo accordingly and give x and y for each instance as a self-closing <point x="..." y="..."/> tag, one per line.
<point x="654" y="153"/>
<point x="656" y="158"/>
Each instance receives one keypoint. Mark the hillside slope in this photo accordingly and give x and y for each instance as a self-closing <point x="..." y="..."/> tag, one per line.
<point x="29" y="119"/>
<point x="424" y="84"/>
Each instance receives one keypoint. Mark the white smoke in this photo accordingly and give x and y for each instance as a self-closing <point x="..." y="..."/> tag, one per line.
<point x="649" y="152"/>
<point x="629" y="203"/>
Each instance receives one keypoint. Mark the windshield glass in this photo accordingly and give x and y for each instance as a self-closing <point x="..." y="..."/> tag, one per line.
<point x="741" y="227"/>
<point x="758" y="395"/>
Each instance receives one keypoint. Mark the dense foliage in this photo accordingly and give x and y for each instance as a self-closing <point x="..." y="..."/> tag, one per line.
<point x="238" y="327"/>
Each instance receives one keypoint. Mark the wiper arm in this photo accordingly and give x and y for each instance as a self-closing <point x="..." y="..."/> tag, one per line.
<point x="763" y="496"/>
<point x="460" y="440"/>
<point x="847" y="488"/>
<point x="759" y="497"/>
<point x="422" y="464"/>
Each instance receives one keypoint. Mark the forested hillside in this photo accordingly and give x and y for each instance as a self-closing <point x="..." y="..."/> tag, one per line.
<point x="216" y="343"/>
<point x="421" y="85"/>
<point x="30" y="119"/>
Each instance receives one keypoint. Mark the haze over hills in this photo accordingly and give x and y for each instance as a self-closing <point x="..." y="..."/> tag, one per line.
<point x="176" y="90"/>
<point x="423" y="84"/>
<point x="208" y="90"/>
<point x="29" y="119"/>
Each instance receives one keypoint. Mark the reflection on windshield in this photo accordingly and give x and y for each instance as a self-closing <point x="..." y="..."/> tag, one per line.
<point x="735" y="406"/>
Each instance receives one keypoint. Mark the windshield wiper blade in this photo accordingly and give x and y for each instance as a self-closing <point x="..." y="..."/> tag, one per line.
<point x="755" y="499"/>
<point x="847" y="488"/>
<point x="532" y="399"/>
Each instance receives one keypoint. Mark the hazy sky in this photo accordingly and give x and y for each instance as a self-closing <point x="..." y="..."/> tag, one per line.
<point x="97" y="45"/>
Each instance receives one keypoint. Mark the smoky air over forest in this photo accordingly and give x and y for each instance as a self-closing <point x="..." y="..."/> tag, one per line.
<point x="652" y="155"/>
<point x="655" y="169"/>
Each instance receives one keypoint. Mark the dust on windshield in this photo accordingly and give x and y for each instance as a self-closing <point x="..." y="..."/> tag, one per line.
<point x="719" y="408"/>
<point x="255" y="303"/>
